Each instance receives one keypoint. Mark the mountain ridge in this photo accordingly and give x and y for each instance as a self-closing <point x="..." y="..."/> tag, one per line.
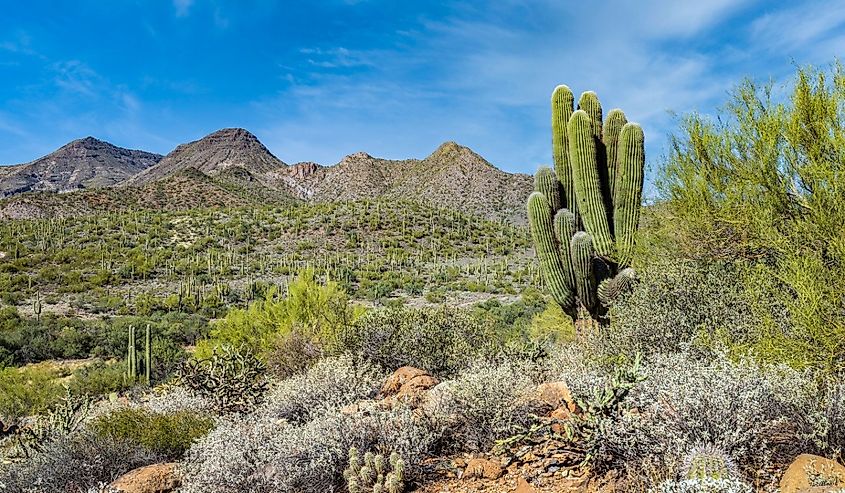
<point x="82" y="163"/>
<point x="241" y="169"/>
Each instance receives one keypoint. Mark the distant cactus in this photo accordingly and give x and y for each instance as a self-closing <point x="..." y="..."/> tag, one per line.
<point x="599" y="171"/>
<point x="374" y="475"/>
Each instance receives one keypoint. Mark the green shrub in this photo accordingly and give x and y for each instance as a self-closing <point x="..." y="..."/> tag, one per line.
<point x="762" y="184"/>
<point x="169" y="434"/>
<point x="98" y="379"/>
<point x="27" y="391"/>
<point x="317" y="312"/>
<point x="678" y="305"/>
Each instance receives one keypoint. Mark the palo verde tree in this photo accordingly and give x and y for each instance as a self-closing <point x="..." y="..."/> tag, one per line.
<point x="584" y="214"/>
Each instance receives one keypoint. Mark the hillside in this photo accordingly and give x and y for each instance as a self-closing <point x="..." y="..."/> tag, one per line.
<point x="453" y="176"/>
<point x="212" y="155"/>
<point x="83" y="163"/>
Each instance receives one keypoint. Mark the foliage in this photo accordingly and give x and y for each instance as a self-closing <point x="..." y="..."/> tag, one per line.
<point x="758" y="415"/>
<point x="75" y="463"/>
<point x="315" y="312"/>
<point x="233" y="379"/>
<point x="165" y="434"/>
<point x="678" y="306"/>
<point x="483" y="404"/>
<point x="324" y="388"/>
<point x="260" y="455"/>
<point x="27" y="391"/>
<point x="762" y="184"/>
<point x="99" y="378"/>
<point x="441" y="340"/>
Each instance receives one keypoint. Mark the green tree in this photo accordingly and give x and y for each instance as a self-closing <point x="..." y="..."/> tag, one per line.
<point x="764" y="184"/>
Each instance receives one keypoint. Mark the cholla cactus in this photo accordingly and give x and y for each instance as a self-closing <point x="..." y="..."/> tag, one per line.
<point x="374" y="475"/>
<point x="234" y="379"/>
<point x="596" y="186"/>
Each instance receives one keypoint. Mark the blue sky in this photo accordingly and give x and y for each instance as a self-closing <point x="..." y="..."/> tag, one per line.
<point x="316" y="80"/>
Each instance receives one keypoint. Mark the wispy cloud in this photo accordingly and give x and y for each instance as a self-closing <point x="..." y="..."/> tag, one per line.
<point x="183" y="7"/>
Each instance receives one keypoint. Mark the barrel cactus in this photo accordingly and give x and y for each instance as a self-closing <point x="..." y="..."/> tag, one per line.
<point x="584" y="213"/>
<point x="707" y="461"/>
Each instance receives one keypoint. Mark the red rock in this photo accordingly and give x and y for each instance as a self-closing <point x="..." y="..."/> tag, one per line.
<point x="408" y="385"/>
<point x="796" y="479"/>
<point x="158" y="478"/>
<point x="483" y="468"/>
<point x="523" y="486"/>
<point x="556" y="395"/>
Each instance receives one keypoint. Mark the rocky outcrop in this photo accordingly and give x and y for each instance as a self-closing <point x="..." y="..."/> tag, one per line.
<point x="83" y="163"/>
<point x="158" y="478"/>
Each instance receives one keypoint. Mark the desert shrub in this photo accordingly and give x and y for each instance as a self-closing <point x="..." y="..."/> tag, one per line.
<point x="263" y="456"/>
<point x="483" y="404"/>
<point x="75" y="463"/>
<point x="834" y="413"/>
<point x="327" y="386"/>
<point x="552" y="324"/>
<point x="677" y="306"/>
<point x="761" y="184"/>
<point x="317" y="312"/>
<point x="27" y="391"/>
<point x="169" y="435"/>
<point x="292" y="353"/>
<point x="704" y="485"/>
<point x="99" y="378"/>
<point x="171" y="399"/>
<point x="759" y="416"/>
<point x="441" y="340"/>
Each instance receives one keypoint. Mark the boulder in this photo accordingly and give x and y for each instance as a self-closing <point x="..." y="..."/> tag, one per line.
<point x="799" y="476"/>
<point x="408" y="384"/>
<point x="157" y="478"/>
<point x="556" y="395"/>
<point x="407" y="377"/>
<point x="482" y="469"/>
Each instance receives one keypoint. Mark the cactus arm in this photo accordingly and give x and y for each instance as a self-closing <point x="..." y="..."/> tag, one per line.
<point x="548" y="252"/>
<point x="629" y="190"/>
<point x="562" y="104"/>
<point x="589" y="103"/>
<point x="565" y="227"/>
<point x="582" y="262"/>
<point x="546" y="183"/>
<point x="148" y="355"/>
<point x="611" y="288"/>
<point x="588" y="188"/>
<point x="610" y="136"/>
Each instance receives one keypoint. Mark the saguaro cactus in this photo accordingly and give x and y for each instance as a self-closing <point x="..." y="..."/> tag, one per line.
<point x="596" y="186"/>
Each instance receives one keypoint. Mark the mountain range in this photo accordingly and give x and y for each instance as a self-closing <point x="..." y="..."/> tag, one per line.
<point x="231" y="167"/>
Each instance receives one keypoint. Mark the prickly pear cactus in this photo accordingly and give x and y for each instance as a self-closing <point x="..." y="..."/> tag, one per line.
<point x="584" y="213"/>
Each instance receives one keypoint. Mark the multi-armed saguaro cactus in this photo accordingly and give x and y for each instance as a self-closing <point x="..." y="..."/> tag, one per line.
<point x="132" y="357"/>
<point x="585" y="212"/>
